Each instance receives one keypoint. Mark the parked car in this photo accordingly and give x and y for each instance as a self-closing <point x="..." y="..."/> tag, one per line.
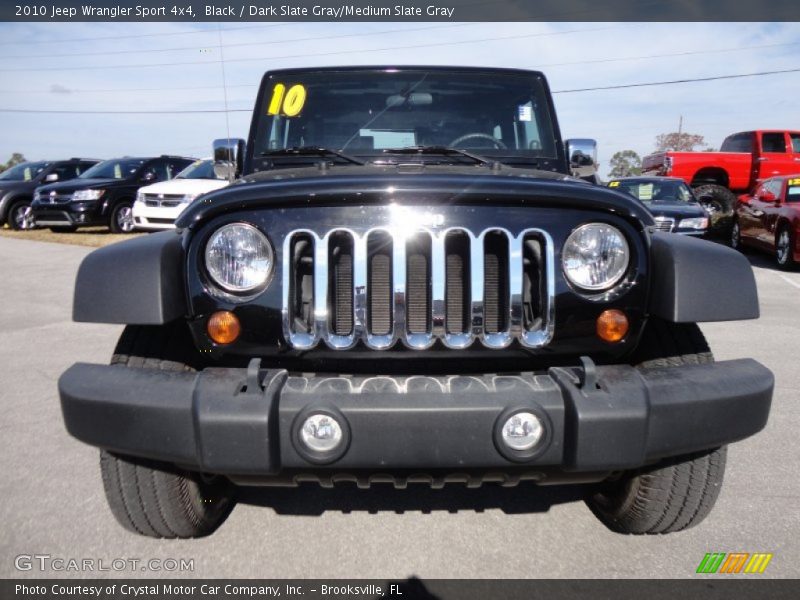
<point x="158" y="205"/>
<point x="769" y="219"/>
<point x="102" y="195"/>
<point x="671" y="202"/>
<point x="408" y="285"/>
<point x="744" y="159"/>
<point x="18" y="183"/>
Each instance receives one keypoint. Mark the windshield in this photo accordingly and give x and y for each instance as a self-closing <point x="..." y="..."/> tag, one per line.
<point x="200" y="169"/>
<point x="113" y="169"/>
<point x="655" y="191"/>
<point x="363" y="112"/>
<point x="23" y="171"/>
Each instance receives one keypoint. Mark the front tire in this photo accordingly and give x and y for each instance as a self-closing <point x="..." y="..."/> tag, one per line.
<point x="121" y="218"/>
<point x="784" y="246"/>
<point x="151" y="498"/>
<point x="736" y="236"/>
<point x="20" y="217"/>
<point x="674" y="494"/>
<point x="720" y="204"/>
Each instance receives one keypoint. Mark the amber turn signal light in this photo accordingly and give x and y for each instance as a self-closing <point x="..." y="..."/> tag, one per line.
<point x="612" y="325"/>
<point x="223" y="327"/>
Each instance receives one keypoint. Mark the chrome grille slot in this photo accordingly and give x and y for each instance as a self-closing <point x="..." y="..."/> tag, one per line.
<point x="340" y="247"/>
<point x="495" y="282"/>
<point x="302" y="283"/>
<point x="418" y="260"/>
<point x="457" y="283"/>
<point x="380" y="286"/>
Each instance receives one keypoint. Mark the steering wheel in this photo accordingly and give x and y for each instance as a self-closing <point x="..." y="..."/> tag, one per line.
<point x="482" y="136"/>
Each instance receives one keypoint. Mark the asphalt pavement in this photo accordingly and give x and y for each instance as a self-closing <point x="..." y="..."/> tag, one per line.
<point x="52" y="502"/>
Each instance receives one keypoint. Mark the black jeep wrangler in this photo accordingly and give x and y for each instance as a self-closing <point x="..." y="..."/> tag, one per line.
<point x="409" y="284"/>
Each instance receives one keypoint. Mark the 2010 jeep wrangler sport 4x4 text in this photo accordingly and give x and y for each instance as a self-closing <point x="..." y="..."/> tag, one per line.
<point x="407" y="284"/>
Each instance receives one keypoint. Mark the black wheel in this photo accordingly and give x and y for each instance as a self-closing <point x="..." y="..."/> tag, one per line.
<point x="152" y="498"/>
<point x="674" y="494"/>
<point x="736" y="236"/>
<point x="720" y="203"/>
<point x="64" y="229"/>
<point x="20" y="216"/>
<point x="121" y="218"/>
<point x="784" y="247"/>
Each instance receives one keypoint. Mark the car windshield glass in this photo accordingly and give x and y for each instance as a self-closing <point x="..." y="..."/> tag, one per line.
<point x="793" y="189"/>
<point x="365" y="112"/>
<point x="655" y="191"/>
<point x="200" y="169"/>
<point x="23" y="171"/>
<point x="113" y="169"/>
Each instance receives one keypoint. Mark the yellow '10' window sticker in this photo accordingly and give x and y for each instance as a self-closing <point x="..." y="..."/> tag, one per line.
<point x="795" y="181"/>
<point x="614" y="184"/>
<point x="285" y="102"/>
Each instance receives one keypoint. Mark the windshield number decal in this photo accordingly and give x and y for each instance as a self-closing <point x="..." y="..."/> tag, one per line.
<point x="795" y="181"/>
<point x="288" y="103"/>
<point x="614" y="184"/>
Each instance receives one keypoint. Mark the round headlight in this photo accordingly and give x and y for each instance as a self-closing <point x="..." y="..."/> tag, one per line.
<point x="239" y="258"/>
<point x="595" y="256"/>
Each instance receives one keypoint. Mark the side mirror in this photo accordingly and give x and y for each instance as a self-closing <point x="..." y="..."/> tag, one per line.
<point x="766" y="196"/>
<point x="51" y="177"/>
<point x="582" y="156"/>
<point x="228" y="158"/>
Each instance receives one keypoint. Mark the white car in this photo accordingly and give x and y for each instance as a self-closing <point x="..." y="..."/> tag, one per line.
<point x="158" y="205"/>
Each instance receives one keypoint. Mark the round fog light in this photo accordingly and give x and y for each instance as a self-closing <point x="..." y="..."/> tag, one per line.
<point x="522" y="431"/>
<point x="321" y="433"/>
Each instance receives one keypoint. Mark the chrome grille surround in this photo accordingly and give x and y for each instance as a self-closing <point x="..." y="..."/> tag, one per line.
<point x="321" y="330"/>
<point x="664" y="223"/>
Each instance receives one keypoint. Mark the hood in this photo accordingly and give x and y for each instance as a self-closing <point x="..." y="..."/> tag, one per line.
<point x="428" y="185"/>
<point x="15" y="186"/>
<point x="184" y="186"/>
<point x="71" y="185"/>
<point x="668" y="208"/>
<point x="403" y="169"/>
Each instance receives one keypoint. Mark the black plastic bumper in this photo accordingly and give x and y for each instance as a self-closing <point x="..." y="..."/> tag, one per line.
<point x="243" y="422"/>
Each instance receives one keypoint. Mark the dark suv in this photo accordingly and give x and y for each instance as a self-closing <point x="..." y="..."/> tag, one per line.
<point x="103" y="195"/>
<point x="408" y="284"/>
<point x="18" y="183"/>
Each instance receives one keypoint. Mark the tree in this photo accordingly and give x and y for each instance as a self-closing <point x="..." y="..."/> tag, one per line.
<point x="682" y="142"/>
<point x="625" y="163"/>
<point x="15" y="159"/>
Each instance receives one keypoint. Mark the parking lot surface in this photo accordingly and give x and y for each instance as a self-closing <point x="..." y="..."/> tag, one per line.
<point x="51" y="497"/>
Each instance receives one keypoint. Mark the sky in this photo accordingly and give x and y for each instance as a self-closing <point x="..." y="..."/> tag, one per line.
<point x="177" y="66"/>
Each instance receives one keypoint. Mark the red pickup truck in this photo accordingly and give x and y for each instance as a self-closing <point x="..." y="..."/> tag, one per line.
<point x="743" y="160"/>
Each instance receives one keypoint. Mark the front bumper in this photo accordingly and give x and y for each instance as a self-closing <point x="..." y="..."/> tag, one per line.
<point x="242" y="422"/>
<point x="156" y="218"/>
<point x="65" y="215"/>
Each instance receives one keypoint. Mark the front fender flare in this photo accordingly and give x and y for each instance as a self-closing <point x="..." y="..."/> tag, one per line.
<point x="135" y="282"/>
<point x="696" y="281"/>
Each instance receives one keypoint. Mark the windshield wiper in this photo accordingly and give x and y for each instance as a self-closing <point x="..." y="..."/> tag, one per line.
<point x="312" y="151"/>
<point x="440" y="150"/>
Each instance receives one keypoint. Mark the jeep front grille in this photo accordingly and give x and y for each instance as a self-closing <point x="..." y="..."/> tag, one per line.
<point x="383" y="286"/>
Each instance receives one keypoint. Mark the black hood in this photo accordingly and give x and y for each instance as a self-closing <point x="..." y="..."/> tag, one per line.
<point x="17" y="186"/>
<point x="72" y="185"/>
<point x="677" y="210"/>
<point x="409" y="184"/>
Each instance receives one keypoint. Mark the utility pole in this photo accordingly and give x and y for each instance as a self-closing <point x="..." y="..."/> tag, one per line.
<point x="680" y="127"/>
